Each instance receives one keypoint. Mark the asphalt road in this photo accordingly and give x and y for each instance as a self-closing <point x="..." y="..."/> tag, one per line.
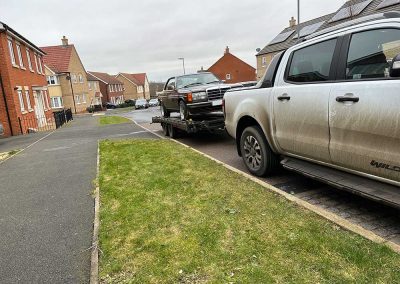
<point x="381" y="219"/>
<point x="46" y="203"/>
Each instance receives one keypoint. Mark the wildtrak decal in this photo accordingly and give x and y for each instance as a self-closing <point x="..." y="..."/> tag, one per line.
<point x="385" y="166"/>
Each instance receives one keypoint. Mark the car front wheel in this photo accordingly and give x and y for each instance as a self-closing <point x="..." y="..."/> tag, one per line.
<point x="164" y="111"/>
<point x="257" y="155"/>
<point x="183" y="111"/>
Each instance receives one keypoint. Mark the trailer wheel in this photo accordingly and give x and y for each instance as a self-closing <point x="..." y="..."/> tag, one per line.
<point x="172" y="131"/>
<point x="165" y="129"/>
<point x="164" y="111"/>
<point x="183" y="111"/>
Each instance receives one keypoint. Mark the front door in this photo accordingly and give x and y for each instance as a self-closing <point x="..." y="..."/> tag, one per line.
<point x="301" y="102"/>
<point x="39" y="108"/>
<point x="365" y="107"/>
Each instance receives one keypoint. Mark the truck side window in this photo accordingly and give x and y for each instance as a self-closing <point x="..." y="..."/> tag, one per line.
<point x="371" y="52"/>
<point x="171" y="84"/>
<point x="312" y="63"/>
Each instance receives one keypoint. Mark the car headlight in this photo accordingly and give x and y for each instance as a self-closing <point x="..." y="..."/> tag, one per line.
<point x="199" y="96"/>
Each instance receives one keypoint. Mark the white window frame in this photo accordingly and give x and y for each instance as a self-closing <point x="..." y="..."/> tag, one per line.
<point x="84" y="98"/>
<point x="90" y="85"/>
<point x="78" y="99"/>
<point x="56" y="100"/>
<point x="12" y="54"/>
<point x="228" y="76"/>
<point x="264" y="61"/>
<point x="21" y="100"/>
<point x="80" y="77"/>
<point x="73" y="79"/>
<point x="95" y="86"/>
<point x="140" y="89"/>
<point x="28" y="100"/>
<point x="20" y="59"/>
<point x="40" y="64"/>
<point x="28" y="56"/>
<point x="51" y="78"/>
<point x="36" y="62"/>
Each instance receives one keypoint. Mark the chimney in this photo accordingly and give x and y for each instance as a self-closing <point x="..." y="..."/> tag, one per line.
<point x="64" y="41"/>
<point x="292" y="22"/>
<point x="227" y="50"/>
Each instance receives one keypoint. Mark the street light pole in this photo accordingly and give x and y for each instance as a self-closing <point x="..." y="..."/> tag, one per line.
<point x="298" y="18"/>
<point x="183" y="61"/>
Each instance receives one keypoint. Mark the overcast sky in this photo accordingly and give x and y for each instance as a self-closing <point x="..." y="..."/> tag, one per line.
<point x="149" y="35"/>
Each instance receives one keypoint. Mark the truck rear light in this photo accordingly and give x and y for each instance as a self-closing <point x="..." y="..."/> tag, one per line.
<point x="190" y="98"/>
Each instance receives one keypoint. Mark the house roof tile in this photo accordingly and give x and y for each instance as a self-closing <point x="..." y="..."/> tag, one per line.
<point x="57" y="58"/>
<point x="107" y="78"/>
<point x="138" y="79"/>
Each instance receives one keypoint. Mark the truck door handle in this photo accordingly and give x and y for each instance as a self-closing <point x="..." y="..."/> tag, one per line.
<point x="342" y="99"/>
<point x="284" y="97"/>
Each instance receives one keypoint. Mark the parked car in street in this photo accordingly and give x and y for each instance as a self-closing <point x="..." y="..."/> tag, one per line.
<point x="328" y="108"/>
<point x="141" y="103"/>
<point x="199" y="93"/>
<point x="111" y="105"/>
<point x="1" y="129"/>
<point x="154" y="103"/>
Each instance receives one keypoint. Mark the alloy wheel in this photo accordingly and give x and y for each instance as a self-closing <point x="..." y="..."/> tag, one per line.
<point x="252" y="151"/>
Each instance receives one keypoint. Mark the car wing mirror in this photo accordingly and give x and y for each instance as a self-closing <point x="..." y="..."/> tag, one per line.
<point x="395" y="67"/>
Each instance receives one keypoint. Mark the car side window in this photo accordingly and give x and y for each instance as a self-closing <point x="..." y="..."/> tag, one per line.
<point x="371" y="53"/>
<point x="312" y="63"/>
<point x="171" y="84"/>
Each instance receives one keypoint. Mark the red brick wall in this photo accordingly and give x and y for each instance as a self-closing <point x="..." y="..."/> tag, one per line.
<point x="230" y="64"/>
<point x="107" y="95"/>
<point x="14" y="77"/>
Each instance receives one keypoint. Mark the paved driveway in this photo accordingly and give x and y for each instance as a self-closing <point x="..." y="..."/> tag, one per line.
<point x="46" y="207"/>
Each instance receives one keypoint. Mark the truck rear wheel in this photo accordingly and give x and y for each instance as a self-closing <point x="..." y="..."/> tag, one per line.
<point x="256" y="152"/>
<point x="172" y="131"/>
<point x="164" y="111"/>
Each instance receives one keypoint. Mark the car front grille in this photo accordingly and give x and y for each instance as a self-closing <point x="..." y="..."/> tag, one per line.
<point x="216" y="94"/>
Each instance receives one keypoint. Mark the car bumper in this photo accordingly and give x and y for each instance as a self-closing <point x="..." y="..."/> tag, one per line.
<point x="205" y="107"/>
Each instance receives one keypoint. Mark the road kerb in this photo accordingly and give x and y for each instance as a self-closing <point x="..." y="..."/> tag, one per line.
<point x="345" y="224"/>
<point x="94" y="264"/>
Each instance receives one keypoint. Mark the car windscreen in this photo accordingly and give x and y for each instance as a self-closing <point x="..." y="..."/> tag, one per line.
<point x="195" y="79"/>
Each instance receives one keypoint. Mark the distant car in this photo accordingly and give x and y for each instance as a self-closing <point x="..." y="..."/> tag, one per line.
<point x="1" y="129"/>
<point x="154" y="103"/>
<point x="111" y="105"/>
<point x="130" y="102"/>
<point x="141" y="103"/>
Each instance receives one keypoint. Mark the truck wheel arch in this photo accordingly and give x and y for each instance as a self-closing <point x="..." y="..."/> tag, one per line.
<point x="243" y="123"/>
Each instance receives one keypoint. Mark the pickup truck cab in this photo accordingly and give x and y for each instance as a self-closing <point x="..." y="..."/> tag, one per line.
<point x="199" y="93"/>
<point x="328" y="107"/>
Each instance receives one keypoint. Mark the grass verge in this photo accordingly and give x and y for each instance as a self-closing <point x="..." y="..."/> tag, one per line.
<point x="169" y="215"/>
<point x="107" y="120"/>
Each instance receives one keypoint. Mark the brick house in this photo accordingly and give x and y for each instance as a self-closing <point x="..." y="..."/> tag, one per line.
<point x="348" y="11"/>
<point x="232" y="69"/>
<point x="65" y="69"/>
<point x="136" y="86"/>
<point x="24" y="101"/>
<point x="111" y="89"/>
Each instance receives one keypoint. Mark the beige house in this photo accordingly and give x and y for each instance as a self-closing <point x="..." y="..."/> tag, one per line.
<point x="136" y="86"/>
<point x="63" y="62"/>
<point x="95" y="94"/>
<point x="54" y="89"/>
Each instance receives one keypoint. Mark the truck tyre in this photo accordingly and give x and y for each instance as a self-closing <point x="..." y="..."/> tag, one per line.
<point x="164" y="111"/>
<point x="172" y="131"/>
<point x="165" y="129"/>
<point x="183" y="111"/>
<point x="256" y="152"/>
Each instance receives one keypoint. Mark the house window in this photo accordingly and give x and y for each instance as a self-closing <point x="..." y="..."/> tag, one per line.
<point x="28" y="55"/>
<point x="40" y="64"/>
<point x="21" y="62"/>
<point x="95" y="86"/>
<point x="73" y="78"/>
<point x="228" y="76"/>
<point x="52" y="80"/>
<point x="11" y="49"/>
<point x="111" y="88"/>
<point x="77" y="99"/>
<point x="264" y="61"/>
<point x="80" y="78"/>
<point x="140" y="89"/>
<point x="21" y="100"/>
<point x="90" y="85"/>
<point x="84" y="98"/>
<point x="36" y="62"/>
<point x="56" y="102"/>
<point x="28" y="100"/>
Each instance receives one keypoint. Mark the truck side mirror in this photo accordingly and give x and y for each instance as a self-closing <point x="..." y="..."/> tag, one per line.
<point x="395" y="67"/>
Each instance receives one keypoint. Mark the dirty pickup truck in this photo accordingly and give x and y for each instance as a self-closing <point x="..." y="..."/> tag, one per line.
<point x="328" y="108"/>
<point x="193" y="94"/>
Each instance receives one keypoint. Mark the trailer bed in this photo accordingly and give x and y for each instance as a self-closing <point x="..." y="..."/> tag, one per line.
<point x="211" y="124"/>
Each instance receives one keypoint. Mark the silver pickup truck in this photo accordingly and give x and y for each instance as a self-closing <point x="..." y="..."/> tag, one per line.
<point x="329" y="108"/>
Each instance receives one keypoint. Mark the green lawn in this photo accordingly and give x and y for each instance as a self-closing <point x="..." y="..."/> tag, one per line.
<point x="169" y="215"/>
<point x="106" y="120"/>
